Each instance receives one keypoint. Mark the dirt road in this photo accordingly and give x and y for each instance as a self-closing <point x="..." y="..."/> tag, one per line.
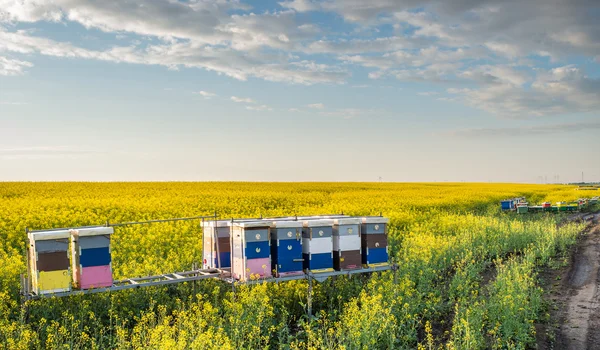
<point x="578" y="296"/>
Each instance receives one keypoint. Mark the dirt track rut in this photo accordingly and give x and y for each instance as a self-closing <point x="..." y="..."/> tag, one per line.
<point x="580" y="319"/>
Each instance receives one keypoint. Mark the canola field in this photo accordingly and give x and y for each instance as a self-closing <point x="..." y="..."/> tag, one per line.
<point x="466" y="276"/>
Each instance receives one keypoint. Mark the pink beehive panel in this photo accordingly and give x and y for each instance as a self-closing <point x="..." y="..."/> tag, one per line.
<point x="261" y="267"/>
<point x="96" y="277"/>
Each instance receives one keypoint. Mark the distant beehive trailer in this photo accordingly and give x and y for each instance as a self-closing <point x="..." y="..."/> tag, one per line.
<point x="521" y="206"/>
<point x="49" y="262"/>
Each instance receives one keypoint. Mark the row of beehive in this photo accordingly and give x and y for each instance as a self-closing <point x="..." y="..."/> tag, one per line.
<point x="511" y="204"/>
<point x="291" y="246"/>
<point x="522" y="207"/>
<point x="64" y="259"/>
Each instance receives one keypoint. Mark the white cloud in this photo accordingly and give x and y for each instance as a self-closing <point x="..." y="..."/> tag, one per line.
<point x="207" y="95"/>
<point x="351" y="46"/>
<point x="236" y="64"/>
<point x="556" y="91"/>
<point x="40" y="152"/>
<point x="242" y="99"/>
<point x="496" y="75"/>
<point x="301" y="5"/>
<point x="428" y="93"/>
<point x="13" y="67"/>
<point x="316" y="106"/>
<point x="493" y="47"/>
<point x="293" y="110"/>
<point x="29" y="11"/>
<point x="349" y="113"/>
<point x="259" y="108"/>
<point x="545" y="129"/>
<point x="457" y="90"/>
<point x="309" y="28"/>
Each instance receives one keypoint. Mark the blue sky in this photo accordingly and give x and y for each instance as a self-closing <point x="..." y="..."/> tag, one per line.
<point x="299" y="90"/>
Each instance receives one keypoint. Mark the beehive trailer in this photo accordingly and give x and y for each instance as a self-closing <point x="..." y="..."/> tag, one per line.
<point x="223" y="274"/>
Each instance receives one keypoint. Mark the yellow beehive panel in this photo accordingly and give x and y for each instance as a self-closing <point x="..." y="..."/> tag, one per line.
<point x="53" y="280"/>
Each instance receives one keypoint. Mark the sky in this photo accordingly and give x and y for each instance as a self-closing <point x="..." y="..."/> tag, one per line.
<point x="300" y="90"/>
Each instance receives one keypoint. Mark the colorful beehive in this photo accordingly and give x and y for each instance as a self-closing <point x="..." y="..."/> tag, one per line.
<point x="506" y="204"/>
<point x="546" y="205"/>
<point x="286" y="248"/>
<point x="594" y="201"/>
<point x="317" y="245"/>
<point x="374" y="241"/>
<point x="216" y="251"/>
<point x="251" y="249"/>
<point x="562" y="206"/>
<point x="573" y="206"/>
<point x="347" y="245"/>
<point x="522" y="208"/>
<point x="49" y="262"/>
<point x="91" y="257"/>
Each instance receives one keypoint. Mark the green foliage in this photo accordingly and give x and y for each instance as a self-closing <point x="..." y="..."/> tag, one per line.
<point x="465" y="277"/>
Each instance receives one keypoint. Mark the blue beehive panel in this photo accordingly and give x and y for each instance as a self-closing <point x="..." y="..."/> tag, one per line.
<point x="375" y="255"/>
<point x="256" y="250"/>
<point x="506" y="205"/>
<point x="95" y="257"/>
<point x="318" y="261"/>
<point x="225" y="260"/>
<point x="284" y="254"/>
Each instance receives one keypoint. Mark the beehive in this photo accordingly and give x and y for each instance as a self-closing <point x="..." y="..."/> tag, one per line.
<point x="317" y="245"/>
<point x="49" y="261"/>
<point x="374" y="241"/>
<point x="347" y="244"/>
<point x="251" y="249"/>
<point x="91" y="257"/>
<point x="286" y="248"/>
<point x="522" y="208"/>
<point x="216" y="245"/>
<point x="506" y="204"/>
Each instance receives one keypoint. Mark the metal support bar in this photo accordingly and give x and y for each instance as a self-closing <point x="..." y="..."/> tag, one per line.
<point x="160" y="220"/>
<point x="107" y="224"/>
<point x="220" y="274"/>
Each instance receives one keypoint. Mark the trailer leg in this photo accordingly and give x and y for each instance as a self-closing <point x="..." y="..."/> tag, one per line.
<point x="309" y="297"/>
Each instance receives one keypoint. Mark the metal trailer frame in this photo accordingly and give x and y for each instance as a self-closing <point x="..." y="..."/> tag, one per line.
<point x="195" y="274"/>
